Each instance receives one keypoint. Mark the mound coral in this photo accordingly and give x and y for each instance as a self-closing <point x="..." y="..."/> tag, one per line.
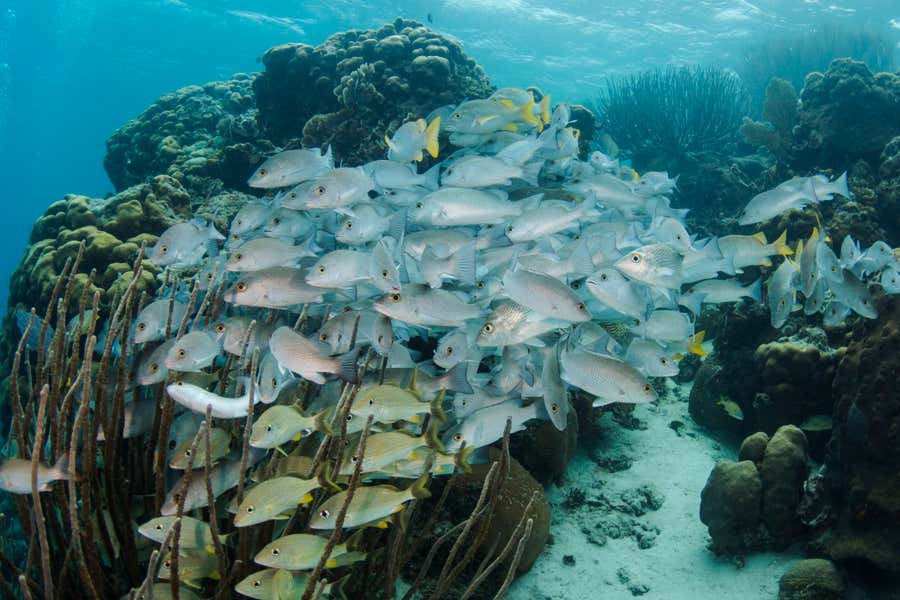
<point x="359" y="85"/>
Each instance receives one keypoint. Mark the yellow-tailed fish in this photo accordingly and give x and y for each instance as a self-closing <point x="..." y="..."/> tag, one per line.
<point x="219" y="440"/>
<point x="384" y="448"/>
<point x="193" y="567"/>
<point x="280" y="424"/>
<point x="370" y="505"/>
<point x="302" y="551"/>
<point x="195" y="534"/>
<point x="389" y="403"/>
<point x="274" y="499"/>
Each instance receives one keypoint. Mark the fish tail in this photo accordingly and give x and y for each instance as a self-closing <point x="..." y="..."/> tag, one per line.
<point x="841" y="184"/>
<point x="781" y="246"/>
<point x="545" y="109"/>
<point x="329" y="157"/>
<point x="61" y="468"/>
<point x="527" y="113"/>
<point x="431" y="137"/>
<point x="348" y="369"/>
<point x="433" y="177"/>
<point x="696" y="344"/>
<point x="419" y="488"/>
<point x="531" y="172"/>
<point x="437" y="408"/>
<point x="755" y="290"/>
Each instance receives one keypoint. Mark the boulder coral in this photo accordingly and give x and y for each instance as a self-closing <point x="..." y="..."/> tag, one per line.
<point x="864" y="450"/>
<point x="359" y="85"/>
<point x="187" y="134"/>
<point x="752" y="504"/>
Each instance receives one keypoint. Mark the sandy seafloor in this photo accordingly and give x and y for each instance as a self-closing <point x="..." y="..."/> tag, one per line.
<point x="677" y="564"/>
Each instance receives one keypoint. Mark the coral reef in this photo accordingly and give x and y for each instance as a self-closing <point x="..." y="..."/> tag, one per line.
<point x="645" y="114"/>
<point x="753" y="503"/>
<point x="864" y="450"/>
<point x="847" y="113"/>
<point x="193" y="134"/>
<point x="812" y="579"/>
<point x="359" y="85"/>
<point x="780" y="114"/>
<point x="791" y="56"/>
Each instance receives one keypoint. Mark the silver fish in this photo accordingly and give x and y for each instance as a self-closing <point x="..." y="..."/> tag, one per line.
<point x="545" y="295"/>
<point x="656" y="265"/>
<point x="265" y="253"/>
<point x="607" y="378"/>
<point x="193" y="352"/>
<point x="291" y="167"/>
<point x="150" y="323"/>
<point x="276" y="287"/>
<point x="339" y="189"/>
<point x="302" y="356"/>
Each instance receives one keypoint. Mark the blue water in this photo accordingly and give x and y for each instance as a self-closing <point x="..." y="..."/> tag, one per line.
<point x="71" y="71"/>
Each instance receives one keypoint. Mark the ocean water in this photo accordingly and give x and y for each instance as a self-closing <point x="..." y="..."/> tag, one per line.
<point x="627" y="422"/>
<point x="71" y="71"/>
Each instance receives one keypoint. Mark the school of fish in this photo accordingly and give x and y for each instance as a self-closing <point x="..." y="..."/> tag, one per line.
<point x="476" y="293"/>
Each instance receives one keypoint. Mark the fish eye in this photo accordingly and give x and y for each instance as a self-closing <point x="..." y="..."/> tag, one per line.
<point x="181" y="353"/>
<point x="449" y="349"/>
<point x="268" y="429"/>
<point x="604" y="277"/>
<point x="647" y="387"/>
<point x="320" y="190"/>
<point x="457" y="437"/>
<point x="293" y="195"/>
<point x="580" y="306"/>
<point x="395" y="297"/>
<point x="323" y="337"/>
<point x="164" y="249"/>
<point x="209" y="276"/>
<point x="457" y="116"/>
<point x="179" y="382"/>
<point x="349" y="224"/>
<point x="349" y="418"/>
<point x="250" y="509"/>
<point x="371" y="402"/>
<point x="141" y="326"/>
<point x="257" y="583"/>
<point x="154" y="368"/>
<point x="187" y="452"/>
<point x="325" y="513"/>
<point x="321" y="269"/>
<point x="419" y="205"/>
<point x="663" y="360"/>
<point x="159" y="526"/>
<point x="354" y="459"/>
<point x="167" y="564"/>
<point x="509" y="228"/>
<point x="220" y="328"/>
<point x="275" y="551"/>
<point x="635" y="258"/>
<point x="238" y="256"/>
<point x="276" y="221"/>
<point x="678" y="236"/>
<point x="385" y="273"/>
<point x="488" y="328"/>
<point x="554" y="407"/>
<point x="172" y="444"/>
<point x="479" y="285"/>
<point x="262" y="172"/>
<point x="241" y="286"/>
<point x="274" y="382"/>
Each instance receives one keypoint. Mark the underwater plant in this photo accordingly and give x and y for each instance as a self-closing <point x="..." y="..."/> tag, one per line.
<point x="793" y="56"/>
<point x="661" y="115"/>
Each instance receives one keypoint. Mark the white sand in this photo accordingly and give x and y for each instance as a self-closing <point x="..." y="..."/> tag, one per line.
<point x="679" y="564"/>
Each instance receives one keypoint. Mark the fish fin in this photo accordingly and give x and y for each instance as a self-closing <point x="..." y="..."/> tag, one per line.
<point x="799" y="249"/>
<point x="421" y="125"/>
<point x="330" y="563"/>
<point x="436" y="408"/>
<point x="419" y="156"/>
<point x="506" y="103"/>
<point x="384" y="524"/>
<point x="458" y="380"/>
<point x="433" y="177"/>
<point x="696" y="343"/>
<point x="415" y="419"/>
<point x="545" y="109"/>
<point x="397" y="225"/>
<point x="527" y="112"/>
<point x="582" y="261"/>
<point x="279" y="449"/>
<point x="329" y="157"/>
<point x="486" y="119"/>
<point x="306" y="499"/>
<point x="510" y="127"/>
<point x="390" y="144"/>
<point x="419" y="488"/>
<point x="348" y="368"/>
<point x="431" y="137"/>
<point x="781" y="246"/>
<point x="755" y="290"/>
<point x="531" y="172"/>
<point x="760" y="237"/>
<point x="465" y="263"/>
<point x="765" y="262"/>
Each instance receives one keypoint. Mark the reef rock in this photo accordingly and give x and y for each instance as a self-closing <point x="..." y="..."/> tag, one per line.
<point x="782" y="472"/>
<point x="187" y="134"/>
<point x="811" y="579"/>
<point x="359" y="85"/>
<point x="847" y="113"/>
<point x="864" y="452"/>
<point x="730" y="506"/>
